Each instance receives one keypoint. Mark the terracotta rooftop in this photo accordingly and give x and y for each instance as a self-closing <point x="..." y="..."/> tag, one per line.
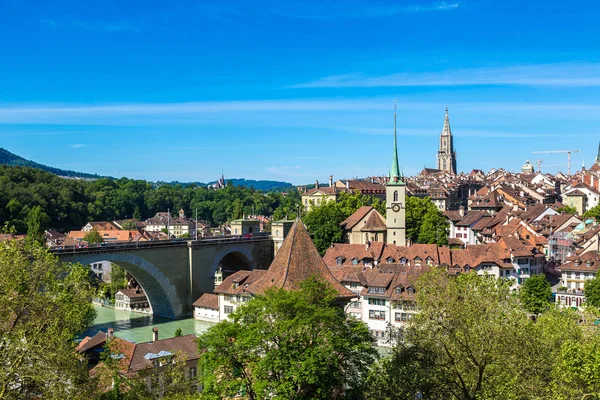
<point x="374" y="223"/>
<point x="356" y="217"/>
<point x="208" y="300"/>
<point x="296" y="261"/>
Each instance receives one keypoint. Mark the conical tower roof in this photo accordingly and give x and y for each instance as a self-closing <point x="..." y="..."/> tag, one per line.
<point x="297" y="260"/>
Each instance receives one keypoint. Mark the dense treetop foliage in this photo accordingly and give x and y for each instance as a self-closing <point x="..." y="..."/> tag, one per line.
<point x="44" y="305"/>
<point x="472" y="340"/>
<point x="287" y="345"/>
<point x="68" y="204"/>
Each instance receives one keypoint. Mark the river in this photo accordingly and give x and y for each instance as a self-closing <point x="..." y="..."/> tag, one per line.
<point x="137" y="327"/>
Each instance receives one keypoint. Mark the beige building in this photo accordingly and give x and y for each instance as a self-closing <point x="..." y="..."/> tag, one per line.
<point x="279" y="231"/>
<point x="576" y="199"/>
<point x="320" y="194"/>
<point x="366" y="225"/>
<point x="245" y="226"/>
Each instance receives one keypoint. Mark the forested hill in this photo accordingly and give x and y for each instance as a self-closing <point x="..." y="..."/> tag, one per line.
<point x="11" y="159"/>
<point x="68" y="204"/>
<point x="8" y="158"/>
<point x="265" y="186"/>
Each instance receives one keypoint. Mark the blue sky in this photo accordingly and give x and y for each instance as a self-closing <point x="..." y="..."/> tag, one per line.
<point x="296" y="90"/>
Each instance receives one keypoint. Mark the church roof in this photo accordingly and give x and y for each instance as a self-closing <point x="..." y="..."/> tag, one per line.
<point x="296" y="261"/>
<point x="375" y="223"/>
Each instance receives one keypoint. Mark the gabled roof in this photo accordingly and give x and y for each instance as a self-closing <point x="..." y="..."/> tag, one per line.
<point x="296" y="261"/>
<point x="471" y="217"/>
<point x="374" y="223"/>
<point x="356" y="217"/>
<point x="207" y="300"/>
<point x="186" y="345"/>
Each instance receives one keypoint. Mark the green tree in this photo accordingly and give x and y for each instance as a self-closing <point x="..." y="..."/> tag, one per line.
<point x="323" y="222"/>
<point x="461" y="344"/>
<point x="37" y="221"/>
<point x="93" y="237"/>
<point x="566" y="210"/>
<point x="434" y="228"/>
<point x="536" y="294"/>
<point x="287" y="345"/>
<point x="129" y="226"/>
<point x="44" y="305"/>
<point x="592" y="292"/>
<point x="576" y="374"/>
<point x="424" y="222"/>
<point x="593" y="212"/>
<point x="178" y="332"/>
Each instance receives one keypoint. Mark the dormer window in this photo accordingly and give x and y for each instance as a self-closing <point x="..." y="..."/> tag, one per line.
<point x="339" y="261"/>
<point x="576" y="263"/>
<point x="417" y="262"/>
<point x="410" y="290"/>
<point x="403" y="261"/>
<point x="398" y="289"/>
<point x="354" y="261"/>
<point x="429" y="261"/>
<point x="390" y="260"/>
<point x="588" y="263"/>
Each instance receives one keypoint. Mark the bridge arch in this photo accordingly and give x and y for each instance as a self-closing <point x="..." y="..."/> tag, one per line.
<point x="233" y="259"/>
<point x="161" y="293"/>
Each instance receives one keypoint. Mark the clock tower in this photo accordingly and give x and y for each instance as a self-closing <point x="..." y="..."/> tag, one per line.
<point x="395" y="204"/>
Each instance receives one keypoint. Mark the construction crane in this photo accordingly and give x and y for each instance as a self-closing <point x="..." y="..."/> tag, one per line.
<point x="560" y="151"/>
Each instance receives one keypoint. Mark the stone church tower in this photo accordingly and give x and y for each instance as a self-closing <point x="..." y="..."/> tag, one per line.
<point x="394" y="200"/>
<point x="446" y="157"/>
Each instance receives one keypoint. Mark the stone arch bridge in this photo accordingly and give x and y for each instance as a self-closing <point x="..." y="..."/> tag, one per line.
<point x="175" y="273"/>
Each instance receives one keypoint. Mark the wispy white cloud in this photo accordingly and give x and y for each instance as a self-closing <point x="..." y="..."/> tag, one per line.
<point x="335" y="10"/>
<point x="78" y="145"/>
<point x="560" y="74"/>
<point x="96" y="26"/>
<point x="324" y="113"/>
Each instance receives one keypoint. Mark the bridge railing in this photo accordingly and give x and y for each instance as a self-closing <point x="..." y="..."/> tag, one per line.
<point x="158" y="243"/>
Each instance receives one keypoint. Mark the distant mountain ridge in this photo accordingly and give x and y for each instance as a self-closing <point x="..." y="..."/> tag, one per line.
<point x="11" y="159"/>
<point x="8" y="158"/>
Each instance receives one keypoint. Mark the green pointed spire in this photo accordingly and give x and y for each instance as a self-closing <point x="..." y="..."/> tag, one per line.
<point x="395" y="172"/>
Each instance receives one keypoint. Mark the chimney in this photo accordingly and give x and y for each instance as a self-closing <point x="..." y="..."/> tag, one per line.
<point x="347" y="184"/>
<point x="461" y="211"/>
<point x="154" y="334"/>
<point x="317" y="185"/>
<point x="330" y="180"/>
<point x="110" y="333"/>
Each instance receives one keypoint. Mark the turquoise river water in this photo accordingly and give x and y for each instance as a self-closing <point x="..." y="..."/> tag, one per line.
<point x="137" y="327"/>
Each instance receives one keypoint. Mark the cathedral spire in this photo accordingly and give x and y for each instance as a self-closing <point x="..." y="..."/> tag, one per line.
<point x="446" y="156"/>
<point x="395" y="172"/>
<point x="598" y="156"/>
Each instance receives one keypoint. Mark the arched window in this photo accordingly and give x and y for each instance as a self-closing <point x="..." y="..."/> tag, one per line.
<point x="395" y="195"/>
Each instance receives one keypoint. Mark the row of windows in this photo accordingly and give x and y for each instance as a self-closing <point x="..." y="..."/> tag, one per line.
<point x="403" y="317"/>
<point x="378" y="315"/>
<point x="377" y="302"/>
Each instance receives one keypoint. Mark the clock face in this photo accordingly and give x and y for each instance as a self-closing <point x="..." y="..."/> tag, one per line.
<point x="396" y="207"/>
